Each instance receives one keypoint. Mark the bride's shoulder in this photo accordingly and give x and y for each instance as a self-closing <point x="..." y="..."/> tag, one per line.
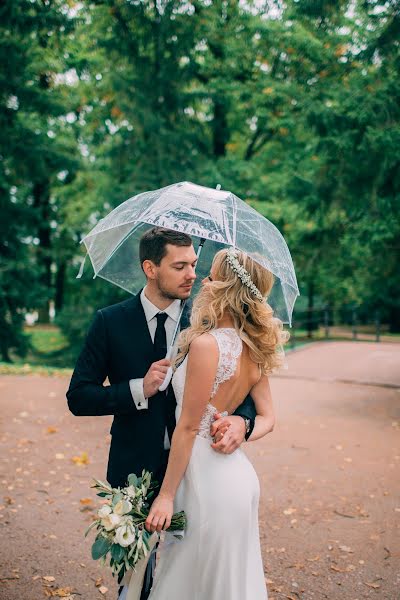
<point x="203" y="352"/>
<point x="204" y="342"/>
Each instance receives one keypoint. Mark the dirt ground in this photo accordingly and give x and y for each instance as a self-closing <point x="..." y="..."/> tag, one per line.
<point x="329" y="472"/>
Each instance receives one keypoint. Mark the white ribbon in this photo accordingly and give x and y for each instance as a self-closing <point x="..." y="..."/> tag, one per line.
<point x="133" y="580"/>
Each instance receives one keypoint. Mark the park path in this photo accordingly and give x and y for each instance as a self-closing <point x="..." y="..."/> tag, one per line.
<point x="329" y="473"/>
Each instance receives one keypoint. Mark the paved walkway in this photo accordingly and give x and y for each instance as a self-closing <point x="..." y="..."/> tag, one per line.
<point x="329" y="476"/>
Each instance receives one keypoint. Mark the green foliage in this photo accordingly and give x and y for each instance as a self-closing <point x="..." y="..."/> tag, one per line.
<point x="100" y="547"/>
<point x="294" y="107"/>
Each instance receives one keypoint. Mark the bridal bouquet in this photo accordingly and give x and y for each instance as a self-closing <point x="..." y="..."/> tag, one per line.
<point x="120" y="524"/>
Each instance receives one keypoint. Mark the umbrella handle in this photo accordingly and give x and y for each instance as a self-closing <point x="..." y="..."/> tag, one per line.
<point x="169" y="374"/>
<point x="167" y="380"/>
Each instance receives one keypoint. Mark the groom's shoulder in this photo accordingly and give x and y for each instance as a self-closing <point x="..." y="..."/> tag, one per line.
<point x="119" y="308"/>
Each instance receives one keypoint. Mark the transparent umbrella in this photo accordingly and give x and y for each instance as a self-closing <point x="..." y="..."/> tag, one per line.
<point x="215" y="218"/>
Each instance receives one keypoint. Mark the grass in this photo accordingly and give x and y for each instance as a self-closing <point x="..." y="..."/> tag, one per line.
<point x="49" y="354"/>
<point x="19" y="368"/>
<point x="46" y="339"/>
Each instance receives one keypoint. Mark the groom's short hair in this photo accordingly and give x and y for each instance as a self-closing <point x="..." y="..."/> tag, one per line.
<point x="154" y="241"/>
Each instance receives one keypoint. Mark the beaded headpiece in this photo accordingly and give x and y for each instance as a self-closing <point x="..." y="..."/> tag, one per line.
<point x="244" y="276"/>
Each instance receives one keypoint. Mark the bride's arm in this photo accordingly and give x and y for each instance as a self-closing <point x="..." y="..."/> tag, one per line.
<point x="265" y="418"/>
<point x="200" y="376"/>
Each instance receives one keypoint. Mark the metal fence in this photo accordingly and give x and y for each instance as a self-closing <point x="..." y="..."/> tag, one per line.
<point x="342" y="322"/>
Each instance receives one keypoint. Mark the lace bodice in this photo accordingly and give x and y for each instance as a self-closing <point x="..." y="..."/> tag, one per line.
<point x="230" y="347"/>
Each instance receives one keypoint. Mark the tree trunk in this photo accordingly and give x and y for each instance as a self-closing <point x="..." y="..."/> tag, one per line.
<point x="59" y="286"/>
<point x="310" y="311"/>
<point x="220" y="128"/>
<point x="41" y="195"/>
<point x="5" y="357"/>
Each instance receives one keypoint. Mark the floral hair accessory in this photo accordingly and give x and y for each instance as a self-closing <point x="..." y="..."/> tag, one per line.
<point x="244" y="276"/>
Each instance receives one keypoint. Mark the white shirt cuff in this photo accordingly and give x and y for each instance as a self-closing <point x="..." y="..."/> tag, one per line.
<point x="136" y="387"/>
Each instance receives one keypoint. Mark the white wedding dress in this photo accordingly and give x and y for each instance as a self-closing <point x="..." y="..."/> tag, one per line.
<point x="220" y="555"/>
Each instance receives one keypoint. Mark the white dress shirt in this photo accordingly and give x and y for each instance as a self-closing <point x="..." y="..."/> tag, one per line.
<point x="150" y="311"/>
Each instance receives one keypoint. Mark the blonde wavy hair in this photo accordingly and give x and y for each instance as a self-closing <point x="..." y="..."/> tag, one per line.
<point x="253" y="320"/>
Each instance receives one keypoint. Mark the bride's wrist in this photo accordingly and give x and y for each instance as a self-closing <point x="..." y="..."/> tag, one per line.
<point x="166" y="495"/>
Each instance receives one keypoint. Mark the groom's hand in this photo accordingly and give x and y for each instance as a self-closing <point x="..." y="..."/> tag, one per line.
<point x="228" y="433"/>
<point x="154" y="377"/>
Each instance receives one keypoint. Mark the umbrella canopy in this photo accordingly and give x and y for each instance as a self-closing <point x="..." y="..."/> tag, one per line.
<point x="218" y="216"/>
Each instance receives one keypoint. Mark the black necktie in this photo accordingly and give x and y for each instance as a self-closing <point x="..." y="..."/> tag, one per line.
<point x="160" y="350"/>
<point x="160" y="338"/>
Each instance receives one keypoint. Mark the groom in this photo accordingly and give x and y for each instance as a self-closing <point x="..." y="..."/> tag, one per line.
<point x="127" y="343"/>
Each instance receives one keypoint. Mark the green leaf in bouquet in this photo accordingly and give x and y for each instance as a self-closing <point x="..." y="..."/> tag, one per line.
<point x="116" y="498"/>
<point x="100" y="547"/>
<point x="101" y="484"/>
<point x="146" y="536"/>
<point x="117" y="552"/>
<point x="102" y="494"/>
<point x="133" y="480"/>
<point x="91" y="526"/>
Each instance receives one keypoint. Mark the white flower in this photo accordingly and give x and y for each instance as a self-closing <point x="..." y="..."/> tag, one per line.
<point x="130" y="491"/>
<point x="244" y="276"/>
<point x="104" y="511"/>
<point x="110" y="522"/>
<point x="125" y="535"/>
<point x="122" y="507"/>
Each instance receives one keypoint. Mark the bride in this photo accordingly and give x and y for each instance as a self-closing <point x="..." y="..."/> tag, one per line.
<point x="232" y="345"/>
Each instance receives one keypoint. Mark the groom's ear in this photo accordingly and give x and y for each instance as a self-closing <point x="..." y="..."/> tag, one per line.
<point x="149" y="269"/>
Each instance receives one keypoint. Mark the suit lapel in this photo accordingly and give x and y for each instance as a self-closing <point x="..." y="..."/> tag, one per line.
<point x="136" y="322"/>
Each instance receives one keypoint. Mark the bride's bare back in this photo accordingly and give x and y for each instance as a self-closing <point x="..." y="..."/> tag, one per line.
<point x="243" y="373"/>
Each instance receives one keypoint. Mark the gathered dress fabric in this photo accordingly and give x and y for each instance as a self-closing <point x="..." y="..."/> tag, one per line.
<point x="219" y="557"/>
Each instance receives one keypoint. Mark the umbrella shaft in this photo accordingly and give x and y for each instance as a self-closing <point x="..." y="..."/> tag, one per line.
<point x="176" y="330"/>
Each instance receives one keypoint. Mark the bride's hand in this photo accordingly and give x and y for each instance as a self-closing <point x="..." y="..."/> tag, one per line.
<point x="233" y="433"/>
<point x="160" y="514"/>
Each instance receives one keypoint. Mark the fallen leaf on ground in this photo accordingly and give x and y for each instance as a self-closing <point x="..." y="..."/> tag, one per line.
<point x="65" y="592"/>
<point x="289" y="511"/>
<point x="98" y="582"/>
<point x="338" y="569"/>
<point x="346" y="549"/>
<point x="344" y="514"/>
<point x="81" y="460"/>
<point x="51" y="429"/>
<point x="372" y="585"/>
<point x="103" y="590"/>
<point x="48" y="578"/>
<point x="60" y="456"/>
<point x="86" y="501"/>
<point x="296" y="566"/>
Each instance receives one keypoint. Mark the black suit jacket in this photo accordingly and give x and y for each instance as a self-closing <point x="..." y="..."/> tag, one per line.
<point x="118" y="346"/>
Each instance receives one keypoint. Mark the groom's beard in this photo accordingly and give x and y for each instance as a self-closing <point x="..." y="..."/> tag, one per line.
<point x="178" y="293"/>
